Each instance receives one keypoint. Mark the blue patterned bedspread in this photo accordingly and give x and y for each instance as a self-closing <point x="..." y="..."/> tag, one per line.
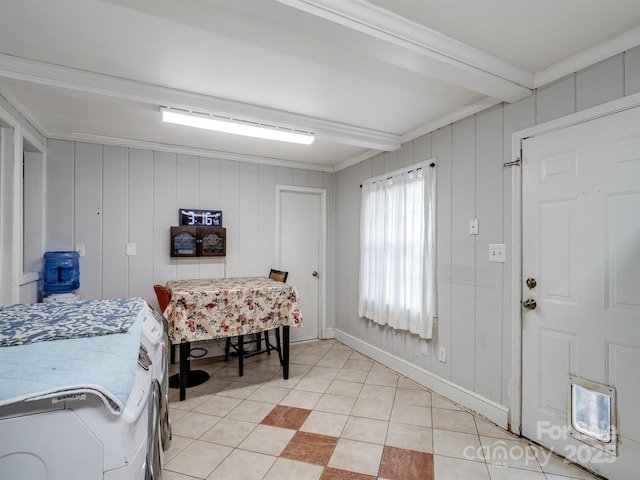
<point x="39" y="322"/>
<point x="84" y="358"/>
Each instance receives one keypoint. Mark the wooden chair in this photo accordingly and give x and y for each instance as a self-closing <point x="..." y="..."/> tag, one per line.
<point x="279" y="276"/>
<point x="162" y="294"/>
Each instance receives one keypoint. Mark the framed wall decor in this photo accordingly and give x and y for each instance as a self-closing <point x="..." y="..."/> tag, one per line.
<point x="194" y="241"/>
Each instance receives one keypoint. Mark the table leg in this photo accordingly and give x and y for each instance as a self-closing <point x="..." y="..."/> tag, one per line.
<point x="185" y="348"/>
<point x="241" y="355"/>
<point x="285" y="352"/>
<point x="187" y="378"/>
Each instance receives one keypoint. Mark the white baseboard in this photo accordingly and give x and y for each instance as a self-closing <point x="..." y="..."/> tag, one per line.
<point x="329" y="333"/>
<point x="492" y="411"/>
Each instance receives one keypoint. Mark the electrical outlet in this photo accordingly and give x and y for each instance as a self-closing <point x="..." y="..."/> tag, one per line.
<point x="80" y="250"/>
<point x="497" y="252"/>
<point x="442" y="355"/>
<point x="424" y="348"/>
<point x="131" y="248"/>
<point x="473" y="226"/>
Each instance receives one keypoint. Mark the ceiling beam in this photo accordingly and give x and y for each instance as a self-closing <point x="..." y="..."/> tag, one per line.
<point x="408" y="44"/>
<point x="116" y="87"/>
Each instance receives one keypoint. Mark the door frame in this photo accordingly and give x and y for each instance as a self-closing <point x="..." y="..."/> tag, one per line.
<point x="322" y="242"/>
<point x="515" y="310"/>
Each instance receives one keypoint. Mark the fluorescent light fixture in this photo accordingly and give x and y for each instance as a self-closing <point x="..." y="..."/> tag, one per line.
<point x="235" y="126"/>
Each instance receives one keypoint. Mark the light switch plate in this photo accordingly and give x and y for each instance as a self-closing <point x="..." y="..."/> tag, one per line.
<point x="497" y="252"/>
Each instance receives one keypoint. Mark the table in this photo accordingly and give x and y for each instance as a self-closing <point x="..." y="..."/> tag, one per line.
<point x="204" y="309"/>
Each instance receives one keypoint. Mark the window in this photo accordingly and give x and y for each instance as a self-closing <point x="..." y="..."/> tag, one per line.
<point x="397" y="250"/>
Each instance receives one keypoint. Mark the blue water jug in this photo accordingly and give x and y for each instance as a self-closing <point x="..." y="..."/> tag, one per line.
<point x="61" y="272"/>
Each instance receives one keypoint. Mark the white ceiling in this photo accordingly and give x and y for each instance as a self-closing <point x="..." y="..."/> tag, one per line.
<point x="364" y="76"/>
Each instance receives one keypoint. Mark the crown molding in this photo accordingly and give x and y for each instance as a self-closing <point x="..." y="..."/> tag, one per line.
<point x="182" y="150"/>
<point x="441" y="56"/>
<point x="584" y="59"/>
<point x="450" y="118"/>
<point x="116" y="87"/>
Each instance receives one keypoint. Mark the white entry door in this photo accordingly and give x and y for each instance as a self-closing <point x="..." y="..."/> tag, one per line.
<point x="581" y="267"/>
<point x="300" y="251"/>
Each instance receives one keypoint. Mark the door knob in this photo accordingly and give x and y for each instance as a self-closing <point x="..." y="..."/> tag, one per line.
<point x="315" y="274"/>
<point x="529" y="304"/>
<point x="531" y="283"/>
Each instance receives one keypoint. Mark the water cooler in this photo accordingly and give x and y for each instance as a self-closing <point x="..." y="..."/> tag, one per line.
<point x="61" y="277"/>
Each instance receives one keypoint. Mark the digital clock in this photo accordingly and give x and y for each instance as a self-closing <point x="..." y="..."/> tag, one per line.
<point x="207" y="218"/>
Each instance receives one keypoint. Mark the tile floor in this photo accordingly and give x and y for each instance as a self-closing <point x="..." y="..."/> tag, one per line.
<point x="340" y="415"/>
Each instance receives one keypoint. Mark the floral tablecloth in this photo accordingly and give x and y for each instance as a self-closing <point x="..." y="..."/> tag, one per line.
<point x="202" y="309"/>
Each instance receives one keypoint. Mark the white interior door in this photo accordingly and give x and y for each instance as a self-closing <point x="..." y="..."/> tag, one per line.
<point x="300" y="251"/>
<point x="581" y="244"/>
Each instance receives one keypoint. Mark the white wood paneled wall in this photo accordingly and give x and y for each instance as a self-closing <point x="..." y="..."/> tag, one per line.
<point x="104" y="197"/>
<point x="473" y="294"/>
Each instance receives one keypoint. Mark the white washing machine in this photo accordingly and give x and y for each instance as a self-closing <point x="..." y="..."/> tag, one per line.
<point x="76" y="436"/>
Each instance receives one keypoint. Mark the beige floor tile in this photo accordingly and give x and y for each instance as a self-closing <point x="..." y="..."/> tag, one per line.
<point x="555" y="465"/>
<point x="456" y="444"/>
<point x="358" y="364"/>
<point x="284" y="469"/>
<point x="307" y="358"/>
<point x="357" y="456"/>
<point x="490" y="430"/>
<point x="365" y="430"/>
<point x="198" y="459"/>
<point x="551" y="476"/>
<point x="218" y="405"/>
<point x="349" y="389"/>
<point x="269" y="394"/>
<point x="447" y="468"/>
<point x="167" y="475"/>
<point x="324" y="423"/>
<point x="313" y="384"/>
<point x="335" y="404"/>
<point x="377" y="392"/>
<point x="499" y="452"/>
<point x="193" y="424"/>
<point x="250" y="411"/>
<point x="268" y="440"/>
<point x="243" y="465"/>
<point x="335" y="360"/>
<point x="355" y="376"/>
<point x="189" y="403"/>
<point x="279" y="382"/>
<point x="496" y="473"/>
<point x="410" y="437"/>
<point x="359" y="356"/>
<point x="239" y="390"/>
<point x="178" y="444"/>
<point x="209" y="387"/>
<point x="301" y="399"/>
<point x="384" y="378"/>
<point x="323" y="372"/>
<point x="228" y="432"/>
<point x="372" y="409"/>
<point x="409" y="384"/>
<point x="438" y="401"/>
<point x="175" y="413"/>
<point x="453" y="420"/>
<point x="411" y="414"/>
<point x="420" y="398"/>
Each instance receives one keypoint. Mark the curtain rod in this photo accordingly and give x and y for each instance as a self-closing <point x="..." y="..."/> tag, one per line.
<point x="409" y="171"/>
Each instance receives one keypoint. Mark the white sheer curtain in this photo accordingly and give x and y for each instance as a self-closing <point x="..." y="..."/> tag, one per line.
<point x="397" y="251"/>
